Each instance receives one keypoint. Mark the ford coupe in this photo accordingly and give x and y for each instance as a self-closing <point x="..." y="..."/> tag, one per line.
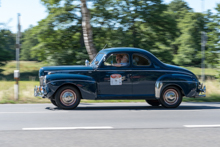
<point x="119" y="73"/>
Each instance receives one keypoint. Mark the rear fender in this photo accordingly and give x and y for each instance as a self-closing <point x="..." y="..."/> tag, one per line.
<point x="186" y="83"/>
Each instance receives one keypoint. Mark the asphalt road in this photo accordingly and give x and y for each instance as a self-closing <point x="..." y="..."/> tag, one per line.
<point x="110" y="125"/>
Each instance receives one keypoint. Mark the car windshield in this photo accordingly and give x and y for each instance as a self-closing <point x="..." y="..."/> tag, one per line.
<point x="98" y="58"/>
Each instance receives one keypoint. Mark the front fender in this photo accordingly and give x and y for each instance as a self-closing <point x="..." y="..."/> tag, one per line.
<point x="188" y="84"/>
<point x="86" y="84"/>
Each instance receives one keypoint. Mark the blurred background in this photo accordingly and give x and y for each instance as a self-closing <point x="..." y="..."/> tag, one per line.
<point x="52" y="34"/>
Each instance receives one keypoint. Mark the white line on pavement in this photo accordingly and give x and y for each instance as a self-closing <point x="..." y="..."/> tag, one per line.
<point x="33" y="112"/>
<point x="201" y="126"/>
<point x="68" y="128"/>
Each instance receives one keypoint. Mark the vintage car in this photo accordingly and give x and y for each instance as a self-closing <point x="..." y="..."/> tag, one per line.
<point x="140" y="76"/>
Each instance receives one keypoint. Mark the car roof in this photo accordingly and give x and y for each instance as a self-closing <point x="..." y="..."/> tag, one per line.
<point x="123" y="49"/>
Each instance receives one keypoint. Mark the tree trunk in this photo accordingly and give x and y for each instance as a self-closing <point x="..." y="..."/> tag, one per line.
<point x="87" y="31"/>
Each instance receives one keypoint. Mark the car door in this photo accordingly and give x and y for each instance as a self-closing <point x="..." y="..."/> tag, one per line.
<point x="114" y="81"/>
<point x="143" y="77"/>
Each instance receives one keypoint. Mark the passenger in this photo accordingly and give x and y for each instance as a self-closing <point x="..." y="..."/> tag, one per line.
<point x="123" y="61"/>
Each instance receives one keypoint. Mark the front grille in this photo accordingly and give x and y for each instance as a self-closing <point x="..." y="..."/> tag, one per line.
<point x="41" y="80"/>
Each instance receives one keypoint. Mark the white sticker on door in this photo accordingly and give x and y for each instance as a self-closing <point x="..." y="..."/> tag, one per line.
<point x="115" y="79"/>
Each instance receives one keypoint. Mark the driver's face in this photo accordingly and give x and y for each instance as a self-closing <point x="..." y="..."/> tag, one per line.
<point x="118" y="59"/>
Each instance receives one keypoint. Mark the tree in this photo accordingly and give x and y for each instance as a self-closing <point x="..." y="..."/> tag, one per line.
<point x="28" y="40"/>
<point x="134" y="23"/>
<point x="189" y="25"/>
<point x="87" y="31"/>
<point x="68" y="7"/>
<point x="213" y="43"/>
<point x="178" y="6"/>
<point x="60" y="35"/>
<point x="7" y="46"/>
<point x="189" y="40"/>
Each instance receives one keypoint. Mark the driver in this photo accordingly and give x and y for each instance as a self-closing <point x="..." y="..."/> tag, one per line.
<point x="118" y="58"/>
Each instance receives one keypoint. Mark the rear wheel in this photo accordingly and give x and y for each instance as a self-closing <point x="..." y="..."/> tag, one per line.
<point x="171" y="97"/>
<point x="153" y="102"/>
<point x="67" y="97"/>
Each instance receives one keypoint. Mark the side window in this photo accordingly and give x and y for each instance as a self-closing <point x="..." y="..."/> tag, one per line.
<point x="117" y="60"/>
<point x="110" y="60"/>
<point x="139" y="60"/>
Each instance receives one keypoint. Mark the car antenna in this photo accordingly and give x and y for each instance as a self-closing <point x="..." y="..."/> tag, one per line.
<point x="104" y="46"/>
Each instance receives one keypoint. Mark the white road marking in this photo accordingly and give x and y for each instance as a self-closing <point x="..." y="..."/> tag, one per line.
<point x="32" y="112"/>
<point x="69" y="128"/>
<point x="180" y="110"/>
<point x="201" y="126"/>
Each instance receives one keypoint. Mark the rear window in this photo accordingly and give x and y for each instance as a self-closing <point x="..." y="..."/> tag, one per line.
<point x="140" y="60"/>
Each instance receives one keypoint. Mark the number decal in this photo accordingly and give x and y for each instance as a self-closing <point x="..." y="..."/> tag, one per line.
<point x="115" y="79"/>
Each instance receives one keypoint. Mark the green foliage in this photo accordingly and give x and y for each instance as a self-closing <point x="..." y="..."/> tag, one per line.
<point x="179" y="6"/>
<point x="189" y="40"/>
<point x="132" y="23"/>
<point x="59" y="35"/>
<point x="171" y="32"/>
<point x="213" y="43"/>
<point x="7" y="46"/>
<point x="29" y="40"/>
<point x="218" y="66"/>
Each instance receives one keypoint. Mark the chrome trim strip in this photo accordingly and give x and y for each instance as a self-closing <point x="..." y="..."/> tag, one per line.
<point x="150" y="70"/>
<point x="67" y="70"/>
<point x="71" y="80"/>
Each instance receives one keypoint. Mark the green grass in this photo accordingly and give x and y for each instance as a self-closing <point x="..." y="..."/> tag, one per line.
<point x="25" y="66"/>
<point x="208" y="71"/>
<point x="29" y="69"/>
<point x="26" y="92"/>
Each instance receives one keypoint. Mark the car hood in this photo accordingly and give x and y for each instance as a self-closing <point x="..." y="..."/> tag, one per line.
<point x="45" y="70"/>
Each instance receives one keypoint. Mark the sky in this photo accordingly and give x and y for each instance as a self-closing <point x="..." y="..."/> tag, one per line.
<point x="32" y="11"/>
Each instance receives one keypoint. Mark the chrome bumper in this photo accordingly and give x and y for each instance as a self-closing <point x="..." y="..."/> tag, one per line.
<point x="39" y="91"/>
<point x="202" y="91"/>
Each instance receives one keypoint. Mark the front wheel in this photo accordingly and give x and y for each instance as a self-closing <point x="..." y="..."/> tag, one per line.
<point x="153" y="102"/>
<point x="53" y="102"/>
<point x="171" y="97"/>
<point x="67" y="97"/>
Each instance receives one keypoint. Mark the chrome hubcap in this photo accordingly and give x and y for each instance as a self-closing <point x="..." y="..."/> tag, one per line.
<point x="171" y="96"/>
<point x="68" y="97"/>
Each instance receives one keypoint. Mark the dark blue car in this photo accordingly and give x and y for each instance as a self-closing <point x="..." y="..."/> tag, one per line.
<point x="119" y="73"/>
